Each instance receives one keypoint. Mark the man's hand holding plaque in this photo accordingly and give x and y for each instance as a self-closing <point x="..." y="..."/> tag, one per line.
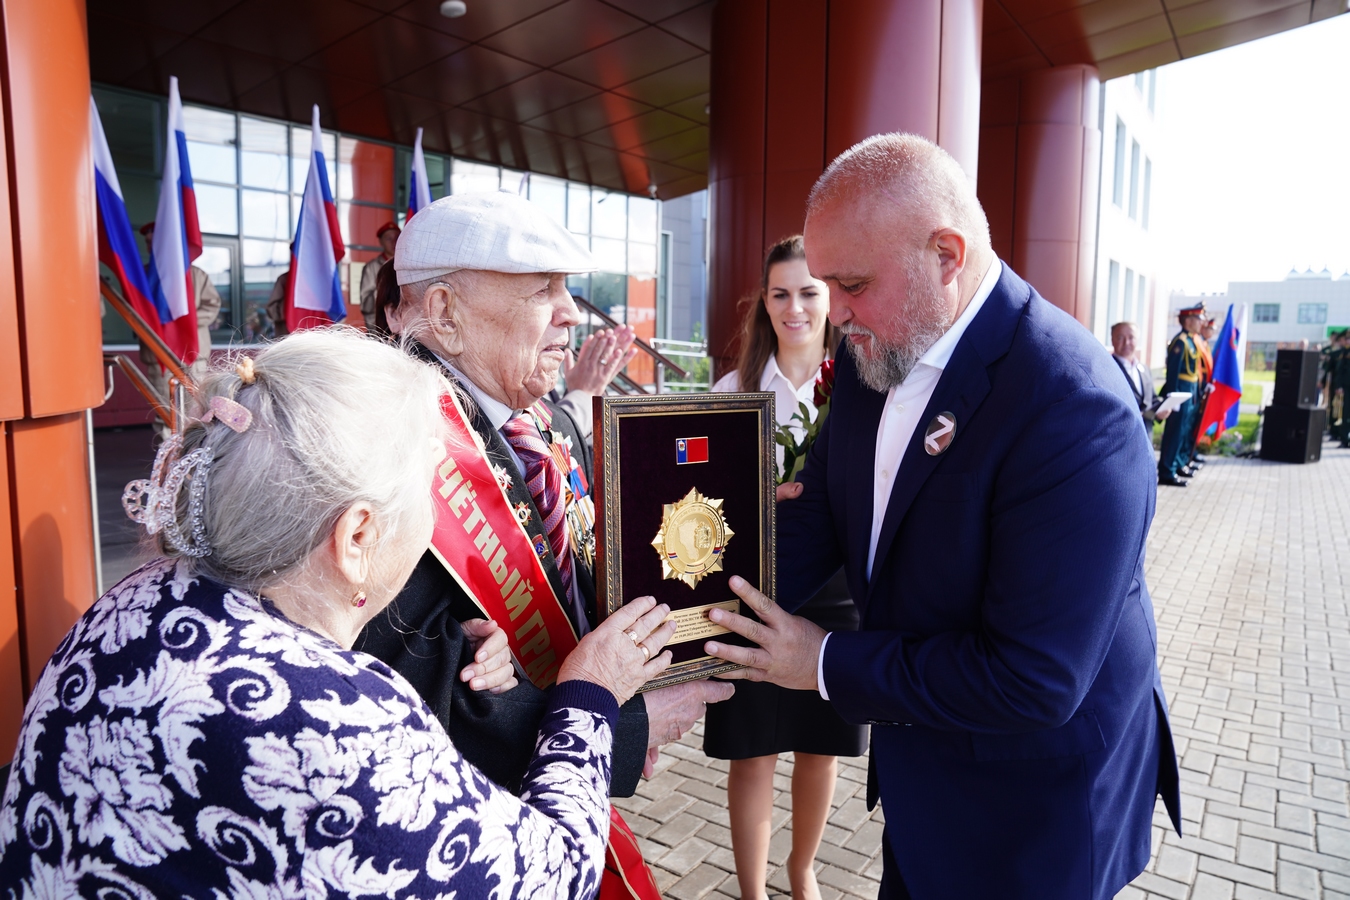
<point x="789" y="646"/>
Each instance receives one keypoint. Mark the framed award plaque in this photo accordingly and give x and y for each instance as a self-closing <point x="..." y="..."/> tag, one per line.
<point x="684" y="489"/>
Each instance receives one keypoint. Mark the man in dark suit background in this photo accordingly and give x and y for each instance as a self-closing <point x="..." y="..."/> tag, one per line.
<point x="1123" y="352"/>
<point x="984" y="483"/>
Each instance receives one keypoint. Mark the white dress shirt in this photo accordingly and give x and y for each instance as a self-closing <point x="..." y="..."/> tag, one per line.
<point x="905" y="403"/>
<point x="786" y="397"/>
<point x="1134" y="372"/>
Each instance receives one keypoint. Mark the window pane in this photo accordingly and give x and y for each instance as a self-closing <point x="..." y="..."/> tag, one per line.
<point x="1148" y="189"/>
<point x="365" y="171"/>
<point x="266" y="253"/>
<point x="258" y="282"/>
<point x="266" y="215"/>
<point x="1141" y="304"/>
<point x="642" y="218"/>
<point x="470" y="177"/>
<point x="611" y="294"/>
<point x="1266" y="312"/>
<point x="641" y="260"/>
<point x="1118" y="187"/>
<point x="1312" y="313"/>
<point x="1128" y="312"/>
<point x="211" y="162"/>
<point x="1113" y="294"/>
<point x="218" y="264"/>
<point x="551" y="194"/>
<point x="216" y="211"/>
<point x="578" y="209"/>
<point x="208" y="125"/>
<point x="1134" y="179"/>
<point x="512" y="180"/>
<point x="359" y="223"/>
<point x="610" y="254"/>
<point x="609" y="214"/>
<point x="300" y="141"/>
<point x="263" y="154"/>
<point x="132" y="125"/>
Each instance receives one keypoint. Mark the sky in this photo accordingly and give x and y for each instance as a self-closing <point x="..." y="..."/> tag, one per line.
<point x="1257" y="173"/>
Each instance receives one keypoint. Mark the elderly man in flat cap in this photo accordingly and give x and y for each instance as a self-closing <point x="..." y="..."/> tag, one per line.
<point x="484" y="296"/>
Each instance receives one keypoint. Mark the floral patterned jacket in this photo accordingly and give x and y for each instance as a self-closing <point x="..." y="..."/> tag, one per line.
<point x="186" y="740"/>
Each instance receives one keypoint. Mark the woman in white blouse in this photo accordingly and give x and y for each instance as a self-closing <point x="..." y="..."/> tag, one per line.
<point x="786" y="338"/>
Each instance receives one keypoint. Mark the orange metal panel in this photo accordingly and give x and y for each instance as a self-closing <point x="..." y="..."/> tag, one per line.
<point x="11" y="368"/>
<point x="12" y="693"/>
<point x="53" y="204"/>
<point x="997" y="186"/>
<point x="958" y="130"/>
<point x="884" y="61"/>
<point x="794" y="142"/>
<point x="53" y="519"/>
<point x="1245" y="30"/>
<point x="736" y="167"/>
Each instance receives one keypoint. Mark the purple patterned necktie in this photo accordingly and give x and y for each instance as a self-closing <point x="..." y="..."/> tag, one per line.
<point x="545" y="483"/>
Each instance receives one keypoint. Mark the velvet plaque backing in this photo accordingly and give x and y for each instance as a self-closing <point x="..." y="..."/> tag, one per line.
<point x="638" y="471"/>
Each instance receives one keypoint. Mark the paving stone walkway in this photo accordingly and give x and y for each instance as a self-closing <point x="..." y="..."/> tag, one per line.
<point x="1247" y="572"/>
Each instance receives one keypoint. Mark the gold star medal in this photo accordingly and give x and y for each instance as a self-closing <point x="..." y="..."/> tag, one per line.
<point x="692" y="538"/>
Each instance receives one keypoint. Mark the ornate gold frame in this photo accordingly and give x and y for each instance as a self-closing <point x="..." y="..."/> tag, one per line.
<point x="609" y="575"/>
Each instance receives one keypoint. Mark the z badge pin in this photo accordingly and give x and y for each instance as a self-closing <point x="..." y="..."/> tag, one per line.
<point x="938" y="436"/>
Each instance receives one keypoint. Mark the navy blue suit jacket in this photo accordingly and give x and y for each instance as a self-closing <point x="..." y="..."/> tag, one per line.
<point x="1007" y="651"/>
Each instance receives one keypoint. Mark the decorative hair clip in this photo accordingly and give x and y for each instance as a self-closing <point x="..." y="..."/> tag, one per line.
<point x="244" y="369"/>
<point x="230" y="413"/>
<point x="154" y="502"/>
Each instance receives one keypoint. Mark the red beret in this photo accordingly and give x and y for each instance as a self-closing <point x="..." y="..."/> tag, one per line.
<point x="391" y="225"/>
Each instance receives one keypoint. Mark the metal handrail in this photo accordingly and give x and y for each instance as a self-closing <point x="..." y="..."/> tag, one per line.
<point x="638" y="342"/>
<point x="159" y="404"/>
<point x="166" y="357"/>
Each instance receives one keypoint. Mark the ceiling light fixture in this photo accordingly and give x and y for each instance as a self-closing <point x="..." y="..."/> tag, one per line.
<point x="453" y="9"/>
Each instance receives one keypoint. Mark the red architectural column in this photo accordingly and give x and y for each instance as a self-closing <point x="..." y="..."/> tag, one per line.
<point x="50" y="339"/>
<point x="797" y="82"/>
<point x="1040" y="148"/>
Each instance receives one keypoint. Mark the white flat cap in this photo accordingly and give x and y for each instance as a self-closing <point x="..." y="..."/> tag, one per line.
<point x="491" y="232"/>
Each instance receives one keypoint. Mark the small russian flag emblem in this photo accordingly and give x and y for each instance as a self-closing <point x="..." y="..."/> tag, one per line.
<point x="691" y="450"/>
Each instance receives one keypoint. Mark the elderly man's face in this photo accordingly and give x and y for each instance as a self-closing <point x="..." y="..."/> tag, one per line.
<point x="1122" y="341"/>
<point x="886" y="290"/>
<point x="515" y="333"/>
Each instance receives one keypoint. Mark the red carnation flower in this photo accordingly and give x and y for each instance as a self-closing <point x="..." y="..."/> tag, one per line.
<point x="824" y="383"/>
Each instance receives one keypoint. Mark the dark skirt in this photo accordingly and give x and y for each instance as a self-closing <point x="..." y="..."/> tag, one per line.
<point x="765" y="719"/>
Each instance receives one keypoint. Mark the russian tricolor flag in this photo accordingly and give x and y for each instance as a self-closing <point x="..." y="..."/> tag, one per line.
<point x="177" y="241"/>
<point x="116" y="243"/>
<point x="314" y="292"/>
<point x="1221" y="410"/>
<point x="419" y="189"/>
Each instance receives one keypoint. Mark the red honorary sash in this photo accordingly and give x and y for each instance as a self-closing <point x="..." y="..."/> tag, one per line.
<point x="487" y="550"/>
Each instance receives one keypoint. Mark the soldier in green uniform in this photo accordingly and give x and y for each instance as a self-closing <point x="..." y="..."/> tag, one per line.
<point x="1183" y="375"/>
<point x="1337" y="363"/>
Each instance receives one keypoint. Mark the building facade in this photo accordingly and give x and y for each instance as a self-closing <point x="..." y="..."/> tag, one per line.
<point x="1304" y="306"/>
<point x="1125" y="285"/>
<point x="249" y="174"/>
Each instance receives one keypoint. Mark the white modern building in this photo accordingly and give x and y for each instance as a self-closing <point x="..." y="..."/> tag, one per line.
<point x="1305" y="306"/>
<point x="1126" y="282"/>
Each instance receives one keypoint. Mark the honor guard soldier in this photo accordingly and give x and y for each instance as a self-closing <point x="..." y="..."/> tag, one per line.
<point x="1337" y="365"/>
<point x="1183" y="375"/>
<point x="1191" y="454"/>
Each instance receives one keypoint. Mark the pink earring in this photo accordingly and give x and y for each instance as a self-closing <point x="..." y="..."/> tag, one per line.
<point x="359" y="600"/>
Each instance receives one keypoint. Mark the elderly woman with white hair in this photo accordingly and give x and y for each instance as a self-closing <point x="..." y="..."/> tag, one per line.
<point x="206" y="730"/>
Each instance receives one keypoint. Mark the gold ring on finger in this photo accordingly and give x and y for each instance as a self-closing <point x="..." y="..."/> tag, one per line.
<point x="646" y="654"/>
